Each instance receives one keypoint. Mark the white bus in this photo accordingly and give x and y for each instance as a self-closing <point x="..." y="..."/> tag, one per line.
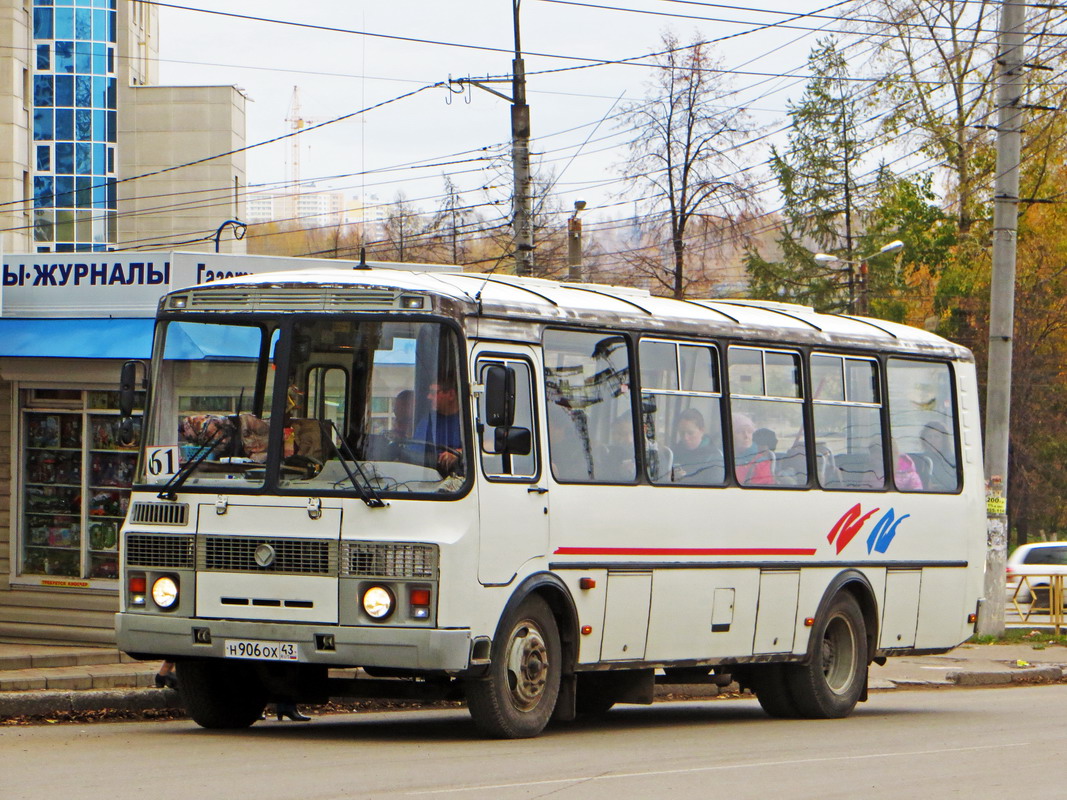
<point x="541" y="497"/>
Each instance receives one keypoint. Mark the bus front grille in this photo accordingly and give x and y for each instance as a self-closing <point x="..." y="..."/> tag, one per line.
<point x="159" y="513"/>
<point x="162" y="550"/>
<point x="267" y="555"/>
<point x="386" y="560"/>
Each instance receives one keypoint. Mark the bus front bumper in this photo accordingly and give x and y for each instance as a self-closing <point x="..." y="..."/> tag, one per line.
<point x="431" y="649"/>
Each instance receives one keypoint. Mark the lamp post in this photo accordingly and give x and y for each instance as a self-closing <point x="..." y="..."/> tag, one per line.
<point x="574" y="244"/>
<point x="239" y="229"/>
<point x="857" y="274"/>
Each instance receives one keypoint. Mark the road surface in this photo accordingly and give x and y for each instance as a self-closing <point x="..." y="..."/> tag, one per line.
<point x="973" y="744"/>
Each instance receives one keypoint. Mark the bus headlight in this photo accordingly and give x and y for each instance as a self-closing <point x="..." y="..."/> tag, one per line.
<point x="378" y="602"/>
<point x="165" y="592"/>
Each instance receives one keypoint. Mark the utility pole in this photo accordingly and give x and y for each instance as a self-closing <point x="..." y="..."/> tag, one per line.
<point x="520" y="157"/>
<point x="1002" y="310"/>
<point x="574" y="244"/>
<point x="522" y="216"/>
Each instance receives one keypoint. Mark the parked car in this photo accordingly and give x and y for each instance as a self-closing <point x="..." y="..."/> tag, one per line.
<point x="1037" y="562"/>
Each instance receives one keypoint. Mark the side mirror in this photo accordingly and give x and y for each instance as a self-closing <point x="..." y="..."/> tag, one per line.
<point x="513" y="441"/>
<point x="499" y="396"/>
<point x="128" y="385"/>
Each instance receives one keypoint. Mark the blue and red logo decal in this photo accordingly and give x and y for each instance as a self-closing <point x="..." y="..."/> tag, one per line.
<point x="852" y="522"/>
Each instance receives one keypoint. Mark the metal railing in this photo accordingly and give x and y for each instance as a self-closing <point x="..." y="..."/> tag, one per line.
<point x="1039" y="596"/>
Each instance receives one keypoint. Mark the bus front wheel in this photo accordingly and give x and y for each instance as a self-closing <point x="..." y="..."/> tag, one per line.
<point x="830" y="684"/>
<point x="221" y="694"/>
<point x="515" y="700"/>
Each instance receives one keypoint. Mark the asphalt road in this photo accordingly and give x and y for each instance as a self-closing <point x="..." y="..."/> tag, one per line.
<point x="973" y="744"/>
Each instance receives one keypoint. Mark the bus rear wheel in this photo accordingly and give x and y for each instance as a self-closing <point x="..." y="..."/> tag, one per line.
<point x="221" y="694"/>
<point x="516" y="699"/>
<point x="830" y="684"/>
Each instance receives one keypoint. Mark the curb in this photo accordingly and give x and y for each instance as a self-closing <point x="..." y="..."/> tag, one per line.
<point x="37" y="704"/>
<point x="1033" y="675"/>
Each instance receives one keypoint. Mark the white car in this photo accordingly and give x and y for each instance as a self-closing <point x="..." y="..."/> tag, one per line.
<point x="1036" y="562"/>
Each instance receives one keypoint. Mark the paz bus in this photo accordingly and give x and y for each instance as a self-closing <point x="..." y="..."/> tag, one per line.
<point x="541" y="497"/>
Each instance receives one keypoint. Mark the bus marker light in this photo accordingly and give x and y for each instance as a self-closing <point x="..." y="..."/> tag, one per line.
<point x="809" y="621"/>
<point x="586" y="583"/>
<point x="586" y="630"/>
<point x="972" y="618"/>
<point x="138" y="587"/>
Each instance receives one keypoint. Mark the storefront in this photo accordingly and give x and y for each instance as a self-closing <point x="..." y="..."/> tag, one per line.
<point x="66" y="464"/>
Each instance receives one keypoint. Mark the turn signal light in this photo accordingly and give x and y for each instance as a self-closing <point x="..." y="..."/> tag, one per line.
<point x="420" y="597"/>
<point x="972" y="618"/>
<point x="586" y="583"/>
<point x="138" y="587"/>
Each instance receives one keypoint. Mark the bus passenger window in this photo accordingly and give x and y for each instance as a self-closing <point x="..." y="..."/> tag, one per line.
<point x="681" y="413"/>
<point x="511" y="465"/>
<point x="922" y="421"/>
<point x="767" y="413"/>
<point x="847" y="411"/>
<point x="590" y="411"/>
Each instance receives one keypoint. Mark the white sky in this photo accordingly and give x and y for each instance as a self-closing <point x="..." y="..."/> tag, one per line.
<point x="339" y="73"/>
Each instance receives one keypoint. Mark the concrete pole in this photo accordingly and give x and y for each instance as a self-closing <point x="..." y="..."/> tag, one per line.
<point x="1002" y="310"/>
<point x="520" y="158"/>
<point x="574" y="249"/>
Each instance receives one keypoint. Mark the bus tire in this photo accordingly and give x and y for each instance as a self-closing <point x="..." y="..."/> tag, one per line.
<point x="772" y="691"/>
<point x="829" y="685"/>
<point x="517" y="696"/>
<point x="220" y="694"/>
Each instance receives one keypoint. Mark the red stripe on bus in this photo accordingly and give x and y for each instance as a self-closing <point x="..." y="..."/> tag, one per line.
<point x="685" y="551"/>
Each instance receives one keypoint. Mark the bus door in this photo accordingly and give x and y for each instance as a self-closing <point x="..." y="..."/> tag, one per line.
<point x="512" y="495"/>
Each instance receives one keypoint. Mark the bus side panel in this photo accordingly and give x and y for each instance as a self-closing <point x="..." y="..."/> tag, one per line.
<point x="702" y="613"/>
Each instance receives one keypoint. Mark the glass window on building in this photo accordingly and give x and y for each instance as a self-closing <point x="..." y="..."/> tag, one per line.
<point x="77" y="467"/>
<point x="74" y="92"/>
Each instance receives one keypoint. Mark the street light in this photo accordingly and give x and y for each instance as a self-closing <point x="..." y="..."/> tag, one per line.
<point x="858" y="266"/>
<point x="574" y="244"/>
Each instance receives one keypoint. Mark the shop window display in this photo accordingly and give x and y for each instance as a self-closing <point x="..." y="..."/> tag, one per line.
<point x="78" y="467"/>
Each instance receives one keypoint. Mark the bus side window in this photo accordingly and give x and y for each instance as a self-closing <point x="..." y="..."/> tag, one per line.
<point x="847" y="411"/>
<point x="767" y="417"/>
<point x="922" y="424"/>
<point x="589" y="407"/>
<point x="512" y="465"/>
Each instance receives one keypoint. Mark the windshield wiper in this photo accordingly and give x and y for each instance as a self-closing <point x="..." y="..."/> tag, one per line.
<point x="367" y="493"/>
<point x="167" y="492"/>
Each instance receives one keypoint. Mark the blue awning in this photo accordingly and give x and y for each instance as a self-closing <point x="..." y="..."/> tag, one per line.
<point x="76" y="338"/>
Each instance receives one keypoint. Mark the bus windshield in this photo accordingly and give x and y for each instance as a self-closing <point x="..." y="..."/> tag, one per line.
<point x="366" y="407"/>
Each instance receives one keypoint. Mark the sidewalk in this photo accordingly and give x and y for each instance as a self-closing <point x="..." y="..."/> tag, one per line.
<point x="41" y="680"/>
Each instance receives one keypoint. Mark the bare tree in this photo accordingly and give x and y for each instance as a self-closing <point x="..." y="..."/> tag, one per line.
<point x="684" y="156"/>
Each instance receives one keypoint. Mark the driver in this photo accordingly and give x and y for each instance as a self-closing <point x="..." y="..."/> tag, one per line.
<point x="440" y="427"/>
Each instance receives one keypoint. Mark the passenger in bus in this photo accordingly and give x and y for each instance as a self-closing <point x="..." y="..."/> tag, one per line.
<point x="403" y="415"/>
<point x="568" y="442"/>
<point x="617" y="461"/>
<point x="440" y="428"/>
<point x="904" y="473"/>
<point x="753" y="467"/>
<point x="696" y="460"/>
<point x="938" y="447"/>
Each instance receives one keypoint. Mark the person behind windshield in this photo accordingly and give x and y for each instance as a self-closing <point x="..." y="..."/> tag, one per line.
<point x="440" y="428"/>
<point x="403" y="415"/>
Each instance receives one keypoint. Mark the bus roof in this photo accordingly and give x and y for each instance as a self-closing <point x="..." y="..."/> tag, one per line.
<point x="506" y="297"/>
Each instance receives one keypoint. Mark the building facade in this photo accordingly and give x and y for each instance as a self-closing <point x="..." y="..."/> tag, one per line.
<point x="93" y="151"/>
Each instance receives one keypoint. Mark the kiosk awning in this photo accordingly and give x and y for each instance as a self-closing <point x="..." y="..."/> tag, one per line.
<point x="76" y="338"/>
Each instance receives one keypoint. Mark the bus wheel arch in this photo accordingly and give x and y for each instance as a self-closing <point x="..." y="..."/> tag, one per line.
<point x="833" y="678"/>
<point x="530" y="678"/>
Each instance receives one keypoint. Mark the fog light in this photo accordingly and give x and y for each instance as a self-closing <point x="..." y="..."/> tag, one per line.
<point x="378" y="602"/>
<point x="165" y="592"/>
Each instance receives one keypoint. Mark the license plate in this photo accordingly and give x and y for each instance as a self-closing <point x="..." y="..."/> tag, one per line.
<point x="269" y="651"/>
